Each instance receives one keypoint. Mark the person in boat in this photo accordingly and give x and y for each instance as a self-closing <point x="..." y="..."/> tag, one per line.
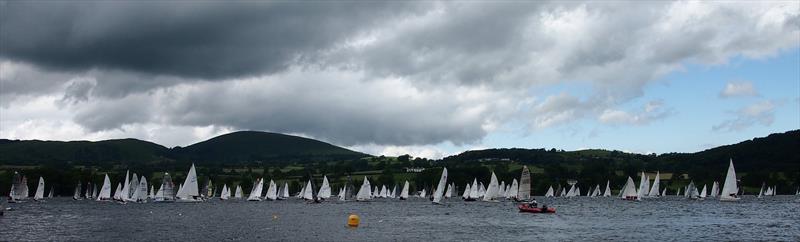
<point x="533" y="203"/>
<point x="544" y="208"/>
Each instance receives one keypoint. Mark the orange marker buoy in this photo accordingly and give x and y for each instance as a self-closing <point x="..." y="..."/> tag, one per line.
<point x="353" y="220"/>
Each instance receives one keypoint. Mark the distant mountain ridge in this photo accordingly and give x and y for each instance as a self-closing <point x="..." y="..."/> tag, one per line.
<point x="236" y="147"/>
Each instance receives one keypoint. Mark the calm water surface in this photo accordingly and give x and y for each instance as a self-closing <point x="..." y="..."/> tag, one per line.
<point x="592" y="219"/>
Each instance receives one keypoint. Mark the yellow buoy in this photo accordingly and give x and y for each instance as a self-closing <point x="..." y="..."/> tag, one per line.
<point x="353" y="220"/>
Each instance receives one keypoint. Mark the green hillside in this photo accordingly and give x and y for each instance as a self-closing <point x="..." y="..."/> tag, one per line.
<point x="251" y="146"/>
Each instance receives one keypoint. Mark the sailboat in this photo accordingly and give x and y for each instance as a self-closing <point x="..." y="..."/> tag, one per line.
<point x="513" y="190"/>
<point x="166" y="193"/>
<point x="449" y="192"/>
<point x="39" y="195"/>
<point x="729" y="188"/>
<point x="703" y="193"/>
<point x="189" y="192"/>
<point x="134" y="185"/>
<point x="325" y="189"/>
<point x="571" y="192"/>
<point x="238" y="194"/>
<point x="655" y="188"/>
<point x="437" y="196"/>
<point x="77" y="194"/>
<point x="255" y="194"/>
<point x="466" y="192"/>
<point x="285" y="193"/>
<point x="105" y="190"/>
<point x="629" y="191"/>
<point x="423" y="193"/>
<point x="691" y="191"/>
<point x="272" y="191"/>
<point x="50" y="195"/>
<point x="761" y="192"/>
<point x="15" y="194"/>
<point x="140" y="195"/>
<point x="501" y="191"/>
<point x="473" y="192"/>
<point x="309" y="192"/>
<point x="714" y="190"/>
<point x="404" y="191"/>
<point x="607" y="193"/>
<point x="118" y="192"/>
<point x="491" y="191"/>
<point x="524" y="193"/>
<point x="643" y="186"/>
<point x="664" y="192"/>
<point x="549" y="192"/>
<point x="226" y="193"/>
<point x="126" y="189"/>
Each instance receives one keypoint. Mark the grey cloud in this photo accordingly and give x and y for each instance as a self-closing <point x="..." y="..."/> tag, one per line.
<point x="757" y="113"/>
<point x="207" y="40"/>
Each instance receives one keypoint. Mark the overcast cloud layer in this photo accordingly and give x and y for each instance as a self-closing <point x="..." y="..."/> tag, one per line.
<point x="359" y="74"/>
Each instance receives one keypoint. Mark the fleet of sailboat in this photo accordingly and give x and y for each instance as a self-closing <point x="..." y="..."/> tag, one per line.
<point x="135" y="188"/>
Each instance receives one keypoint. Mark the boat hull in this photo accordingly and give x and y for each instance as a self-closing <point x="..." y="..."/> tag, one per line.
<point x="525" y="208"/>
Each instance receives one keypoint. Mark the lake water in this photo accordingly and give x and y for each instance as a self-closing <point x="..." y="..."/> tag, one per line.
<point x="592" y="219"/>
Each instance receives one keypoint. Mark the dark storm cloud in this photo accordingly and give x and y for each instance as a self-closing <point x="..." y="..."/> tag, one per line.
<point x="196" y="39"/>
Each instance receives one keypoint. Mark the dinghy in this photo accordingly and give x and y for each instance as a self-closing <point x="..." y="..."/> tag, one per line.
<point x="238" y="194"/>
<point x="549" y="192"/>
<point x="15" y="194"/>
<point x="526" y="208"/>
<point x="607" y="193"/>
<point x="655" y="188"/>
<point x="189" y="191"/>
<point x="272" y="191"/>
<point x="524" y="193"/>
<point x="226" y="193"/>
<point x="50" y="195"/>
<point x="513" y="190"/>
<point x="491" y="191"/>
<point x="39" y="195"/>
<point x="404" y="192"/>
<point x="729" y="188"/>
<point x="105" y="190"/>
<point x="309" y="192"/>
<point x="325" y="189"/>
<point x="166" y="193"/>
<point x="437" y="196"/>
<point x="365" y="192"/>
<point x="77" y="194"/>
<point x="285" y="191"/>
<point x="629" y="191"/>
<point x="473" y="192"/>
<point x="140" y="196"/>
<point x="714" y="190"/>
<point x="703" y="193"/>
<point x="466" y="192"/>
<point x="255" y="193"/>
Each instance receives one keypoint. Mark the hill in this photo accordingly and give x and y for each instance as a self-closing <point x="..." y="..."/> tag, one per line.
<point x="250" y="146"/>
<point x="237" y="147"/>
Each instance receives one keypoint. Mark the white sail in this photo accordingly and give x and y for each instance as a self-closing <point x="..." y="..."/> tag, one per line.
<point x="571" y="192"/>
<point x="255" y="194"/>
<point x="141" y="195"/>
<point x="272" y="191"/>
<point x="239" y="193"/>
<point x="226" y="193"/>
<point x="474" y="193"/>
<point x="309" y="193"/>
<point x="134" y="186"/>
<point x="642" y="186"/>
<point x="105" y="190"/>
<point x="118" y="192"/>
<point x="39" y="190"/>
<point x="596" y="191"/>
<point x="549" y="192"/>
<point x="481" y="189"/>
<point x="404" y="191"/>
<point x="437" y="196"/>
<point x="50" y="195"/>
<point x="325" y="189"/>
<point x="703" y="193"/>
<point x="126" y="187"/>
<point x="75" y="196"/>
<point x="160" y="194"/>
<point x="423" y="193"/>
<point x="190" y="190"/>
<point x="524" y="193"/>
<point x="655" y="188"/>
<point x="513" y="190"/>
<point x="449" y="192"/>
<point x="376" y="192"/>
<point x="491" y="191"/>
<point x="152" y="194"/>
<point x="364" y="193"/>
<point x="729" y="188"/>
<point x="466" y="192"/>
<point x="501" y="189"/>
<point x="607" y="193"/>
<point x="629" y="190"/>
<point x="285" y="190"/>
<point x="714" y="190"/>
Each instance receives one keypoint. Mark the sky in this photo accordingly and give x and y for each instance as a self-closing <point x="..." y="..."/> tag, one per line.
<point x="424" y="78"/>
